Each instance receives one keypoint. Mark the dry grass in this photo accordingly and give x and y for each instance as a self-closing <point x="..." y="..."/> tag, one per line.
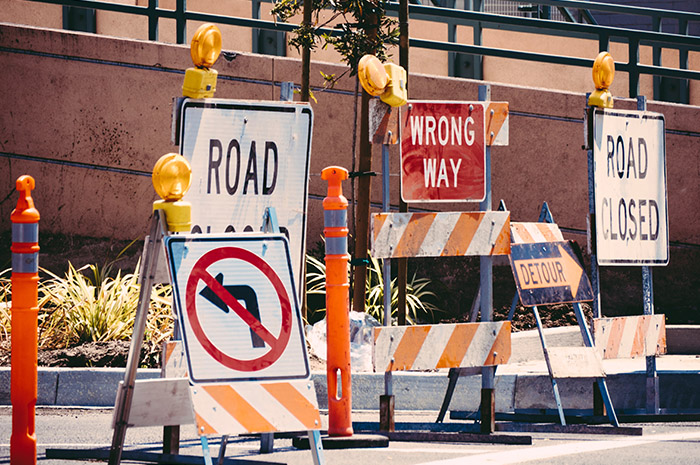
<point x="87" y="305"/>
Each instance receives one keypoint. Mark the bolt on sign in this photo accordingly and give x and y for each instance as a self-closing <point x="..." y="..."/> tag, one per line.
<point x="629" y="159"/>
<point x="549" y="273"/>
<point x="247" y="156"/>
<point x="443" y="155"/>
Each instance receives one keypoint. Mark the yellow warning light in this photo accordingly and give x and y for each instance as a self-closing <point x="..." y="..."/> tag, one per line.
<point x="206" y="46"/>
<point x="603" y="76"/>
<point x="172" y="176"/>
<point x="200" y="81"/>
<point x="372" y="75"/>
<point x="388" y="81"/>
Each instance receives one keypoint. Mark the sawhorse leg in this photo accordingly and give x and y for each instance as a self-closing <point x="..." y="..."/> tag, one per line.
<point x="602" y="385"/>
<point x="555" y="388"/>
<point x="267" y="443"/>
<point x="171" y="439"/>
<point x="316" y="447"/>
<point x="206" y="453"/>
<point x="452" y="377"/>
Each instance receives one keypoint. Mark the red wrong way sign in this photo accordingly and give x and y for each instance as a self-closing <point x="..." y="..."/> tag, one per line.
<point x="443" y="152"/>
<point x="237" y="308"/>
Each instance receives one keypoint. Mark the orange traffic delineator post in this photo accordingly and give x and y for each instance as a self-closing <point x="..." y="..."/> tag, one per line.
<point x="25" y="311"/>
<point x="337" y="303"/>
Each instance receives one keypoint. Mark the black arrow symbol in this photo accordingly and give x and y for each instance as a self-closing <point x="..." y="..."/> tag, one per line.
<point x="238" y="292"/>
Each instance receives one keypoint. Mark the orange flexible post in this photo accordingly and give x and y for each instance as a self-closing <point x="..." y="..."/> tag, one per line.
<point x="337" y="303"/>
<point x="25" y="310"/>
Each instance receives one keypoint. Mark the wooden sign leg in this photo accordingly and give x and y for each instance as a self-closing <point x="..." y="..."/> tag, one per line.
<point x="126" y="390"/>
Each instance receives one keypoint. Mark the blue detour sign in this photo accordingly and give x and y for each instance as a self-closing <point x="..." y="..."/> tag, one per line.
<point x="549" y="273"/>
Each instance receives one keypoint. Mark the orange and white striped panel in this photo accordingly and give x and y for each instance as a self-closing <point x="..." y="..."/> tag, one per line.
<point x="630" y="336"/>
<point x="255" y="407"/>
<point x="428" y="347"/>
<point x="497" y="124"/>
<point x="440" y="234"/>
<point x="174" y="362"/>
<point x="529" y="233"/>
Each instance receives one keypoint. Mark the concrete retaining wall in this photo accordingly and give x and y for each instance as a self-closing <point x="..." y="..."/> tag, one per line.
<point x="89" y="115"/>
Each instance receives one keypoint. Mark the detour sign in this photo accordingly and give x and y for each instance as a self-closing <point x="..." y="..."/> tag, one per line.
<point x="549" y="273"/>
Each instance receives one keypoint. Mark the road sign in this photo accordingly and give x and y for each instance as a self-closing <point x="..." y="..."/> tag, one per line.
<point x="246" y="156"/>
<point x="629" y="159"/>
<point x="443" y="155"/>
<point x="237" y="307"/>
<point x="548" y="273"/>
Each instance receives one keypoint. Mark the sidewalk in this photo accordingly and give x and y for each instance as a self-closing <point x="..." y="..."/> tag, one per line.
<point x="521" y="384"/>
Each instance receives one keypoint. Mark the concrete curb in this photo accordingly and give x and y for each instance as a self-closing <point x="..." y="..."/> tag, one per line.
<point x="414" y="391"/>
<point x="522" y="384"/>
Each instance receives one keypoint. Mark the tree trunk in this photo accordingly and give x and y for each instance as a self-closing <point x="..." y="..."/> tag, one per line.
<point x="402" y="263"/>
<point x="362" y="214"/>
<point x="363" y="197"/>
<point x="306" y="56"/>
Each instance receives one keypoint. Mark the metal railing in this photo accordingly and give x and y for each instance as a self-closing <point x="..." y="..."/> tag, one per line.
<point x="479" y="20"/>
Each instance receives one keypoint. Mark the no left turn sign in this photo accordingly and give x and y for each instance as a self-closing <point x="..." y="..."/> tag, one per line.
<point x="237" y="307"/>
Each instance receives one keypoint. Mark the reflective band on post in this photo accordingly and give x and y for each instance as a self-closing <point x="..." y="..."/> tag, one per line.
<point x="336" y="245"/>
<point x="25" y="232"/>
<point x="25" y="262"/>
<point x="335" y="218"/>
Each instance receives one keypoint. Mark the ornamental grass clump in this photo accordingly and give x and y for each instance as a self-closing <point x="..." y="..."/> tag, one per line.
<point x="419" y="306"/>
<point x="87" y="305"/>
<point x="5" y="302"/>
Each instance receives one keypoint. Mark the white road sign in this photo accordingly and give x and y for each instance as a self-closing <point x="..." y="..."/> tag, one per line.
<point x="629" y="158"/>
<point x="246" y="156"/>
<point x="236" y="307"/>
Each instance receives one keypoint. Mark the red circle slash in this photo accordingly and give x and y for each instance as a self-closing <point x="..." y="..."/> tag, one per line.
<point x="277" y="344"/>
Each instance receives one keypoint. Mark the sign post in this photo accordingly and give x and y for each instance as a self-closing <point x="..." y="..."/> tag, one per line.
<point x="626" y="193"/>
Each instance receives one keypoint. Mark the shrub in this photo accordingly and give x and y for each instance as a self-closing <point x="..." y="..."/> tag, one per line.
<point x="418" y="295"/>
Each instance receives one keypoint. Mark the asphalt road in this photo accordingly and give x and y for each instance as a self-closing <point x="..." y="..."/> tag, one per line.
<point x="667" y="443"/>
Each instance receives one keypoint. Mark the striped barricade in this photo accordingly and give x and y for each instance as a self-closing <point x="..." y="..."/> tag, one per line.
<point x="224" y="409"/>
<point x="441" y="234"/>
<point x="529" y="233"/>
<point x="428" y="347"/>
<point x="174" y="362"/>
<point x="497" y="123"/>
<point x="630" y="336"/>
<point x="255" y="407"/>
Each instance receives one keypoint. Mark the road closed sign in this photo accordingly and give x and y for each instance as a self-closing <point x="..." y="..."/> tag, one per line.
<point x="629" y="160"/>
<point x="247" y="156"/>
<point x="443" y="155"/>
<point x="236" y="307"/>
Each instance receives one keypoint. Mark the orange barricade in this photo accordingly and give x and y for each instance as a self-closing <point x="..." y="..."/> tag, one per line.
<point x="25" y="281"/>
<point x="337" y="303"/>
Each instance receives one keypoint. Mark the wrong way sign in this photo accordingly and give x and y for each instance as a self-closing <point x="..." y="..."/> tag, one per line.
<point x="629" y="159"/>
<point x="247" y="156"/>
<point x="443" y="154"/>
<point x="237" y="307"/>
